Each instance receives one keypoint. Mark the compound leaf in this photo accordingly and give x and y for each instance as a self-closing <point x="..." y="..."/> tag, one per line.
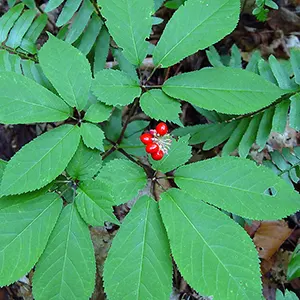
<point x="240" y="186"/>
<point x="226" y="90"/>
<point x="213" y="253"/>
<point x="125" y="179"/>
<point x="94" y="203"/>
<point x="67" y="267"/>
<point x="26" y="224"/>
<point x="191" y="35"/>
<point x="24" y="101"/>
<point x="139" y="259"/>
<point x="115" y="87"/>
<point x="85" y="163"/>
<point x="134" y="18"/>
<point x="68" y="70"/>
<point x="40" y="161"/>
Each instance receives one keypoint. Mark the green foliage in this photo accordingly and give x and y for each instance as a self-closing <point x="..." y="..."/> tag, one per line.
<point x="98" y="112"/>
<point x="93" y="159"/>
<point x="192" y="36"/>
<point x="285" y="164"/>
<point x="68" y="258"/>
<point x="85" y="163"/>
<point x="26" y="218"/>
<point x="37" y="104"/>
<point x="286" y="296"/>
<point x="124" y="178"/>
<point x="74" y="80"/>
<point x="94" y="203"/>
<point x="115" y="87"/>
<point x="294" y="265"/>
<point x="134" y="17"/>
<point x="225" y="90"/>
<point x="240" y="133"/>
<point x="178" y="154"/>
<point x="92" y="136"/>
<point x="40" y="161"/>
<point x="140" y="254"/>
<point x="20" y="27"/>
<point x="260" y="11"/>
<point x="239" y="186"/>
<point x="228" y="258"/>
<point x="160" y="106"/>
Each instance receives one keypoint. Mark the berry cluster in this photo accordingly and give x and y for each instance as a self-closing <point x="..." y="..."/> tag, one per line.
<point x="157" y="141"/>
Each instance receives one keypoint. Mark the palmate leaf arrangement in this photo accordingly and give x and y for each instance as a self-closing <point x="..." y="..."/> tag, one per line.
<point x="56" y="185"/>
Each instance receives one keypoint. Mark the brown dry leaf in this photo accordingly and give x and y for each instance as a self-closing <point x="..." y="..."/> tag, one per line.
<point x="270" y="236"/>
<point x="251" y="229"/>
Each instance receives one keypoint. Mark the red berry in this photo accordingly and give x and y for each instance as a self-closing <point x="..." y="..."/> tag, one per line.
<point x="146" y="138"/>
<point x="161" y="128"/>
<point x="152" y="148"/>
<point x="157" y="155"/>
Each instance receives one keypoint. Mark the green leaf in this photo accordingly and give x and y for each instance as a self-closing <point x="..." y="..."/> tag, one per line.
<point x="68" y="70"/>
<point x="220" y="17"/>
<point x="179" y="153"/>
<point x="157" y="4"/>
<point x="295" y="111"/>
<point x="287" y="295"/>
<point x="80" y="21"/>
<point x="281" y="75"/>
<point x="295" y="61"/>
<point x="20" y="28"/>
<point x="249" y="136"/>
<point x="85" y="163"/>
<point x="90" y="35"/>
<point x="26" y="224"/>
<point x="134" y="18"/>
<point x="94" y="203"/>
<point x="125" y="179"/>
<point x="29" y="3"/>
<point x="293" y="270"/>
<point x="68" y="12"/>
<point x="264" y="128"/>
<point x="101" y="49"/>
<point x="8" y="20"/>
<point x="31" y="36"/>
<point x="213" y="253"/>
<point x="98" y="112"/>
<point x="40" y="161"/>
<point x="226" y="90"/>
<point x="67" y="268"/>
<point x="36" y="104"/>
<point x="280" y="116"/>
<point x="3" y="164"/>
<point x="115" y="87"/>
<point x="92" y="136"/>
<point x="239" y="186"/>
<point x="123" y="64"/>
<point x="52" y="4"/>
<point x="139" y="259"/>
<point x="159" y="106"/>
<point x="236" y="137"/>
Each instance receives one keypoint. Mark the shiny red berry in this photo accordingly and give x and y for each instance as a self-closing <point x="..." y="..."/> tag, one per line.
<point x="152" y="148"/>
<point x="161" y="128"/>
<point x="157" y="155"/>
<point x="146" y="138"/>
